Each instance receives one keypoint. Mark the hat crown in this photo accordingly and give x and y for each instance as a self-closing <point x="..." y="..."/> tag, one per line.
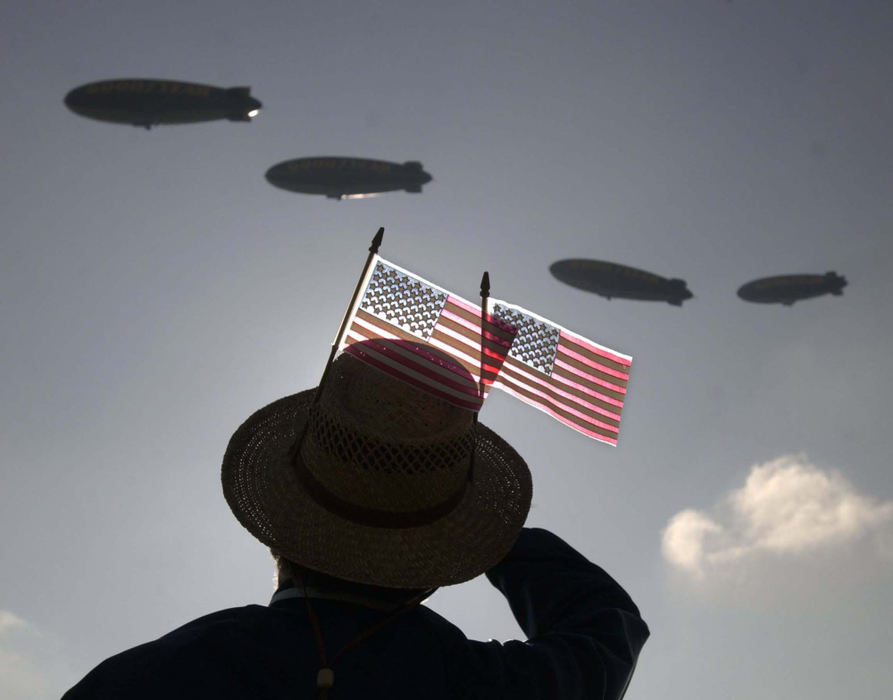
<point x="376" y="403"/>
<point x="278" y="500"/>
<point x="382" y="449"/>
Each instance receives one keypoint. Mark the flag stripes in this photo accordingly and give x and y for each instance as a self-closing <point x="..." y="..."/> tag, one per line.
<point x="460" y="322"/>
<point x="561" y="392"/>
<point x="571" y="375"/>
<point x="569" y="410"/>
<point x="411" y="363"/>
<point x="464" y="346"/>
<point x="595" y="355"/>
<point x="577" y="382"/>
<point x="563" y="417"/>
<point x="398" y="309"/>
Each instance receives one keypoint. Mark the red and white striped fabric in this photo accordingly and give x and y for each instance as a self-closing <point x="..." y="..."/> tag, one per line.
<point x="576" y="381"/>
<point x="397" y="309"/>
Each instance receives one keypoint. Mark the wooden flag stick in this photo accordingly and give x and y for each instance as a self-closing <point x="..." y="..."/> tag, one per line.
<point x="485" y="295"/>
<point x="373" y="249"/>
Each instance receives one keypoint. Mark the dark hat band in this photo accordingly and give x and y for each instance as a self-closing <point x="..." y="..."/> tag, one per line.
<point x="374" y="517"/>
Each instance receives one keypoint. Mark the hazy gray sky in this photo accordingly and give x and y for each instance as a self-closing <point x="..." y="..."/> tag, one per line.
<point x="156" y="290"/>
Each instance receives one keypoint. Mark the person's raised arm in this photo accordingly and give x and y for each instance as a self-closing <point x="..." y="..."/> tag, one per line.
<point x="584" y="631"/>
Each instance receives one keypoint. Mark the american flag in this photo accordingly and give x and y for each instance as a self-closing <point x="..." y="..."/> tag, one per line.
<point x="578" y="382"/>
<point x="397" y="309"/>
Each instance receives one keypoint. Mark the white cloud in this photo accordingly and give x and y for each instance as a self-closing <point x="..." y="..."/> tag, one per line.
<point x="33" y="665"/>
<point x="10" y="621"/>
<point x="684" y="539"/>
<point x="19" y="675"/>
<point x="787" y="507"/>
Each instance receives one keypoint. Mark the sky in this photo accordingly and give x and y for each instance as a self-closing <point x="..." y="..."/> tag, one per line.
<point x="155" y="290"/>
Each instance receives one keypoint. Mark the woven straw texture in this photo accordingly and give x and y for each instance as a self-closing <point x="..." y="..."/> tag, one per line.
<point x="384" y="446"/>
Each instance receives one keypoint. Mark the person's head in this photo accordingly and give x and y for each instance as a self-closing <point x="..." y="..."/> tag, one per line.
<point x="379" y="482"/>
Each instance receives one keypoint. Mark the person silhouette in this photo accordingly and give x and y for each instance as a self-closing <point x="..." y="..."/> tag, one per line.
<point x="371" y="495"/>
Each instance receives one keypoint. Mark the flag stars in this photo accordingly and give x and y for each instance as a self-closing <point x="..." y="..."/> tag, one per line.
<point x="536" y="342"/>
<point x="403" y="301"/>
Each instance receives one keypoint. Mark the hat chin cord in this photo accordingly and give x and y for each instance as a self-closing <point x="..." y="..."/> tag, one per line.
<point x="325" y="677"/>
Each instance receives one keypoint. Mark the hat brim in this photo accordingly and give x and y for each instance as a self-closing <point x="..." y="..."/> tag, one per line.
<point x="263" y="491"/>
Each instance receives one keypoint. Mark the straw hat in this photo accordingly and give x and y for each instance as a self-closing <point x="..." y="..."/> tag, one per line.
<point x="389" y="485"/>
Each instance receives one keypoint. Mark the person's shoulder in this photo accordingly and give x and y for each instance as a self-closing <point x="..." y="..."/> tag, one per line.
<point x="215" y="622"/>
<point x="152" y="667"/>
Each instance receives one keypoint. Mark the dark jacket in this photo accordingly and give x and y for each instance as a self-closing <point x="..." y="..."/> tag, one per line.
<point x="584" y="635"/>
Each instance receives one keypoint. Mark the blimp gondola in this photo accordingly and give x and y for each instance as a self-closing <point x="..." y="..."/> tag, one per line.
<point x="787" y="289"/>
<point x="339" y="177"/>
<point x="146" y="102"/>
<point x="610" y="280"/>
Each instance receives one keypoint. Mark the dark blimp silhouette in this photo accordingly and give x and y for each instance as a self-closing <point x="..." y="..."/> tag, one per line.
<point x="147" y="102"/>
<point x="611" y="280"/>
<point x="786" y="289"/>
<point x="347" y="178"/>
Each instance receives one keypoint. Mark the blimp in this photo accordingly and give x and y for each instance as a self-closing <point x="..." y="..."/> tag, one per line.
<point x="610" y="280"/>
<point x="786" y="289"/>
<point x="339" y="177"/>
<point x="147" y="102"/>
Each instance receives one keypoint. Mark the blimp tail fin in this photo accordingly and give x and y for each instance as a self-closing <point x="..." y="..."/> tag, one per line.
<point x="239" y="91"/>
<point x="412" y="165"/>
<point x="837" y="282"/>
